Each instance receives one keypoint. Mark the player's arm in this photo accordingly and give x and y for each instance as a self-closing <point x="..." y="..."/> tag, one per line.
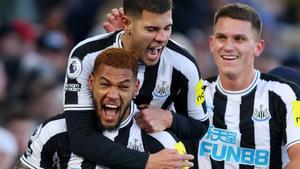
<point x="294" y="157"/>
<point x="20" y="165"/>
<point x="186" y="127"/>
<point x="88" y="142"/>
<point x="152" y="119"/>
<point x="293" y="126"/>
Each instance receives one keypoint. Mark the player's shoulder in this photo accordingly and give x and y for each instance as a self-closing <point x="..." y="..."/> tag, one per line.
<point x="179" y="50"/>
<point x="51" y="127"/>
<point x="279" y="82"/>
<point x="95" y="43"/>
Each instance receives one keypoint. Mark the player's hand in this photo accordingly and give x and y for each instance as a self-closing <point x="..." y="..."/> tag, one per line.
<point x="153" y="119"/>
<point x="113" y="20"/>
<point x="169" y="159"/>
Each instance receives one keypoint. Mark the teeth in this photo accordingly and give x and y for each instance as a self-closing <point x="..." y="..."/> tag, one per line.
<point x="229" y="57"/>
<point x="110" y="110"/>
<point x="111" y="106"/>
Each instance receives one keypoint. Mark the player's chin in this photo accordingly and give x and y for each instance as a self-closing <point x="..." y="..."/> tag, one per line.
<point x="109" y="124"/>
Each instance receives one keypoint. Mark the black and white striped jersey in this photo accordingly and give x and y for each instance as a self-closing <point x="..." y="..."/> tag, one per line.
<point x="49" y="146"/>
<point x="248" y="128"/>
<point x="175" y="79"/>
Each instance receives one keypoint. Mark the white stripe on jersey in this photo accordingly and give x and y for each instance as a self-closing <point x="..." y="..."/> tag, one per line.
<point x="165" y="139"/>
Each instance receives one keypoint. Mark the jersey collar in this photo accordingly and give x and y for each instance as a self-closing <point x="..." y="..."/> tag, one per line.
<point x="119" y="39"/>
<point x="239" y="92"/>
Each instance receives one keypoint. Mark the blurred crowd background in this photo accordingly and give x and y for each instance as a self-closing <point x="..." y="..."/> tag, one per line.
<point x="36" y="37"/>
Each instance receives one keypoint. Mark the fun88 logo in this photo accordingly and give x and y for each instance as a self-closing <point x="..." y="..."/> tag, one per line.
<point x="221" y="146"/>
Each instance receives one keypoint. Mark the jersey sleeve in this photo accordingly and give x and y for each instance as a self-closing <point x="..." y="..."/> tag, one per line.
<point x="32" y="156"/>
<point x="292" y="103"/>
<point x="77" y="95"/>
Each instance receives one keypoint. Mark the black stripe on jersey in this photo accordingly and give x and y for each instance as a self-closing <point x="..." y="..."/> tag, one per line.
<point x="277" y="134"/>
<point x="179" y="93"/>
<point x="184" y="52"/>
<point x="71" y="97"/>
<point x="145" y="93"/>
<point x="247" y="126"/>
<point x="57" y="144"/>
<point x="123" y="135"/>
<point x="219" y="110"/>
<point x="219" y="121"/>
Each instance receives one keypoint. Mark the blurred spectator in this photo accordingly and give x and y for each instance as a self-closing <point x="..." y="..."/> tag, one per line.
<point x="191" y="14"/>
<point x="22" y="127"/>
<point x="8" y="149"/>
<point x="266" y="63"/>
<point x="50" y="58"/>
<point x="292" y="60"/>
<point x="82" y="13"/>
<point x="3" y="84"/>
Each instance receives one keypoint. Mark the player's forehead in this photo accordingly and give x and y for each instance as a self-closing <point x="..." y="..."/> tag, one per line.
<point x="156" y="19"/>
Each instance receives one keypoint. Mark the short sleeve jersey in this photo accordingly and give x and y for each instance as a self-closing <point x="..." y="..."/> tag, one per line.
<point x="248" y="128"/>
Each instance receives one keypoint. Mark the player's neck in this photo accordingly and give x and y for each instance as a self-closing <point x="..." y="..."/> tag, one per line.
<point x="236" y="83"/>
<point x="126" y="41"/>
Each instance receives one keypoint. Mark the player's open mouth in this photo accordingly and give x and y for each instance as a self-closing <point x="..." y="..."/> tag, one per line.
<point x="154" y="51"/>
<point x="110" y="110"/>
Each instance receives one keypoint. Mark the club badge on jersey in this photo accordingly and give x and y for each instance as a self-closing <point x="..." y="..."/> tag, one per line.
<point x="162" y="90"/>
<point x="261" y="114"/>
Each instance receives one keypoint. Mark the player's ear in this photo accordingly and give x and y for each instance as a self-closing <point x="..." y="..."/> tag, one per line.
<point x="259" y="47"/>
<point x="127" y="24"/>
<point x="91" y="81"/>
<point x="136" y="87"/>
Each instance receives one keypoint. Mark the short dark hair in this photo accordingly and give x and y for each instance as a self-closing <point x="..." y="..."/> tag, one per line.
<point x="118" y="58"/>
<point x="242" y="12"/>
<point x="136" y="7"/>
